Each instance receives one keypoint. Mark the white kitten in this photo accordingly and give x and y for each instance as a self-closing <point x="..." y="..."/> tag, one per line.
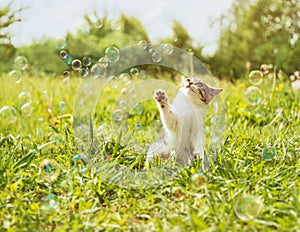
<point x="183" y="122"/>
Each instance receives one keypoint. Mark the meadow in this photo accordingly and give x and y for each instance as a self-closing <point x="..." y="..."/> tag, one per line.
<point x="245" y="190"/>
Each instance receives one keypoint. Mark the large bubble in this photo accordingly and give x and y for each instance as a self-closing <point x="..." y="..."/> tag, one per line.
<point x="130" y="122"/>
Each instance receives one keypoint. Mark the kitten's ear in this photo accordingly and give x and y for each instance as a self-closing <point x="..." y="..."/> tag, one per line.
<point x="210" y="93"/>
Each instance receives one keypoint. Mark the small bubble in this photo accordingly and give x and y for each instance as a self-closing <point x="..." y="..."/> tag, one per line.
<point x="104" y="131"/>
<point x="253" y="95"/>
<point x="88" y="89"/>
<point x="62" y="106"/>
<point x="76" y="64"/>
<point x="49" y="170"/>
<point x="248" y="207"/>
<point x="134" y="72"/>
<point x="143" y="44"/>
<point x="63" y="54"/>
<point x="66" y="74"/>
<point x="83" y="72"/>
<point x="264" y="68"/>
<point x="68" y="59"/>
<point x="124" y="77"/>
<point x="98" y="71"/>
<point x="143" y="74"/>
<point x="151" y="51"/>
<point x="138" y="108"/>
<point x="51" y="203"/>
<point x="167" y="49"/>
<point x="198" y="180"/>
<point x="24" y="97"/>
<point x="118" y="115"/>
<point x="60" y="43"/>
<point x="256" y="77"/>
<point x="8" y="114"/>
<point x="15" y="76"/>
<point x="112" y="54"/>
<point x="103" y="62"/>
<point x="178" y="193"/>
<point x="83" y="130"/>
<point x="20" y="63"/>
<point x="80" y="162"/>
<point x="156" y="57"/>
<point x="99" y="23"/>
<point x="115" y="25"/>
<point x="86" y="61"/>
<point x="269" y="153"/>
<point x="26" y="109"/>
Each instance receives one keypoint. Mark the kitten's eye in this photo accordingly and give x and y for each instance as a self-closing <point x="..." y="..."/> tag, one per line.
<point x="188" y="79"/>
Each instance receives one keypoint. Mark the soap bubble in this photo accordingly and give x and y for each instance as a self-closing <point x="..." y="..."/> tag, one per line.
<point x="24" y="97"/>
<point x="143" y="74"/>
<point x="49" y="170"/>
<point x="156" y="57"/>
<point x="253" y="95"/>
<point x="62" y="106"/>
<point x="143" y="44"/>
<point x="167" y="49"/>
<point x="264" y="68"/>
<point x="199" y="180"/>
<point x="83" y="72"/>
<point x="256" y="77"/>
<point x="63" y="54"/>
<point x="8" y="114"/>
<point x="103" y="62"/>
<point x="151" y="51"/>
<point x="80" y="162"/>
<point x="86" y="61"/>
<point x="134" y="72"/>
<point x="20" y="63"/>
<point x="99" y="23"/>
<point x="178" y="193"/>
<point x="66" y="74"/>
<point x="26" y="109"/>
<point x="104" y="131"/>
<point x="248" y="207"/>
<point x="269" y="153"/>
<point x="115" y="25"/>
<point x="15" y="76"/>
<point x="124" y="77"/>
<point x="68" y="59"/>
<point x="112" y="54"/>
<point x="51" y="203"/>
<point x="118" y="115"/>
<point x="138" y="108"/>
<point x="88" y="89"/>
<point x="60" y="43"/>
<point x="76" y="64"/>
<point x="98" y="71"/>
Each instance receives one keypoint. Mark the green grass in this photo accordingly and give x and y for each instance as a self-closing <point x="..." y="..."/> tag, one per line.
<point x="87" y="202"/>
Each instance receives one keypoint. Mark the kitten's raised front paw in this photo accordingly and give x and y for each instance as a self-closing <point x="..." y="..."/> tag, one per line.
<point x="161" y="97"/>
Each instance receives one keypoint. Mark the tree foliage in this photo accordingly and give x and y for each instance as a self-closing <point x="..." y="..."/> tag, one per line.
<point x="259" y="32"/>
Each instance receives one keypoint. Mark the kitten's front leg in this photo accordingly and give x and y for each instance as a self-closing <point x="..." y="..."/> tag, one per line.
<point x="169" y="117"/>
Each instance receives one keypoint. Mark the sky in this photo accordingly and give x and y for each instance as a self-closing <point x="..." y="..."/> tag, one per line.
<point x="54" y="18"/>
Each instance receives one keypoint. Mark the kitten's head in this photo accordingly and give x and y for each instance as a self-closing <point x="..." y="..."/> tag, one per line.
<point x="197" y="90"/>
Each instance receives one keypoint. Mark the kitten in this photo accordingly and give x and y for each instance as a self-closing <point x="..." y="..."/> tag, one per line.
<point x="183" y="122"/>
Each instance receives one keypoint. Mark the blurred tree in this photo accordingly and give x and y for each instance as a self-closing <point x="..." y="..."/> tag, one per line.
<point x="258" y="32"/>
<point x="7" y="50"/>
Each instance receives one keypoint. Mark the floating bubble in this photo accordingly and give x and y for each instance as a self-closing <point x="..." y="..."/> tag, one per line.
<point x="8" y="114"/>
<point x="51" y="203"/>
<point x="68" y="59"/>
<point x="88" y="89"/>
<point x="151" y="51"/>
<point x="269" y="153"/>
<point x="15" y="76"/>
<point x="156" y="57"/>
<point x="167" y="49"/>
<point x="178" y="193"/>
<point x="26" y="109"/>
<point x="256" y="77"/>
<point x="62" y="106"/>
<point x="118" y="115"/>
<point x="66" y="74"/>
<point x="143" y="74"/>
<point x="124" y="77"/>
<point x="198" y="180"/>
<point x="104" y="131"/>
<point x="80" y="162"/>
<point x="24" y="97"/>
<point x="134" y="72"/>
<point x="264" y="68"/>
<point x="60" y="43"/>
<point x="253" y="95"/>
<point x="20" y="63"/>
<point x="122" y="104"/>
<point x="98" y="71"/>
<point x="138" y="108"/>
<point x="63" y="54"/>
<point x="99" y="23"/>
<point x="112" y="54"/>
<point x="103" y="62"/>
<point x="76" y="64"/>
<point x="248" y="207"/>
<point x="143" y="44"/>
<point x="83" y="72"/>
<point x="86" y="61"/>
<point x="115" y="25"/>
<point x="49" y="170"/>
